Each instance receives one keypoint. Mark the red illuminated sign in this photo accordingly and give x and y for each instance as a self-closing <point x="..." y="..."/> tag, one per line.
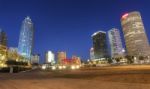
<point x="125" y="16"/>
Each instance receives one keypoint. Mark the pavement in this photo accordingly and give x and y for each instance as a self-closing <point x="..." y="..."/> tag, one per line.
<point x="117" y="77"/>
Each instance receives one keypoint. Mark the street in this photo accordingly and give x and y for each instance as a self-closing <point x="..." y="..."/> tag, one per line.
<point x="117" y="77"/>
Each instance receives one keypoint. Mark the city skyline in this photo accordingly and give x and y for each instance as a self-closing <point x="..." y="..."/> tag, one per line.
<point x="61" y="28"/>
<point x="74" y="44"/>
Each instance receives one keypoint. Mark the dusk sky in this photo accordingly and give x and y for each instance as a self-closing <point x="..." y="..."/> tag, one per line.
<point x="67" y="25"/>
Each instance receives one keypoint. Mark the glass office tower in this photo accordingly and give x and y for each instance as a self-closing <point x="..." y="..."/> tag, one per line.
<point x="26" y="38"/>
<point x="100" y="44"/>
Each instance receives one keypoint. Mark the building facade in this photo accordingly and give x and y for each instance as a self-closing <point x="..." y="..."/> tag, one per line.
<point x="92" y="53"/>
<point x="12" y="54"/>
<point x="3" y="38"/>
<point x="76" y="60"/>
<point x="3" y="56"/>
<point x="100" y="44"/>
<point x="134" y="33"/>
<point x="26" y="38"/>
<point x="50" y="58"/>
<point x="115" y="43"/>
<point x="61" y="56"/>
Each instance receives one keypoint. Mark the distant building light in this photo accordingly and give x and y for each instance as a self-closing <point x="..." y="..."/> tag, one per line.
<point x="60" y="67"/>
<point x="53" y="68"/>
<point x="77" y="67"/>
<point x="43" y="67"/>
<point x="64" y="67"/>
<point x="73" y="67"/>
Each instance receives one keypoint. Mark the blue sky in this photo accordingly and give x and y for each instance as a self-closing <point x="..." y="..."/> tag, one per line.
<point x="67" y="25"/>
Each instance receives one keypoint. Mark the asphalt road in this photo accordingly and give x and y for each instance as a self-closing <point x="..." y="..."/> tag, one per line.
<point x="119" y="77"/>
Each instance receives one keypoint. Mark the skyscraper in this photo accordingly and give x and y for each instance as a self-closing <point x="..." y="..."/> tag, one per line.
<point x="134" y="33"/>
<point x="3" y="38"/>
<point x="115" y="42"/>
<point x="26" y="38"/>
<point x="99" y="44"/>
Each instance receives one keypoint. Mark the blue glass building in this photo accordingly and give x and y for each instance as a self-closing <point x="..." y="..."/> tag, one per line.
<point x="26" y="38"/>
<point x="100" y="45"/>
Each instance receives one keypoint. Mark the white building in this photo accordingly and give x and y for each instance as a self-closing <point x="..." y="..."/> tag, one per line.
<point x="115" y="42"/>
<point x="50" y="58"/>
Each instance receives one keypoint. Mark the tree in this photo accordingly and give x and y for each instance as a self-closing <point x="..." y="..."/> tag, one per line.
<point x="117" y="60"/>
<point x="141" y="58"/>
<point x="11" y="62"/>
<point x="110" y="60"/>
<point x="129" y="59"/>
